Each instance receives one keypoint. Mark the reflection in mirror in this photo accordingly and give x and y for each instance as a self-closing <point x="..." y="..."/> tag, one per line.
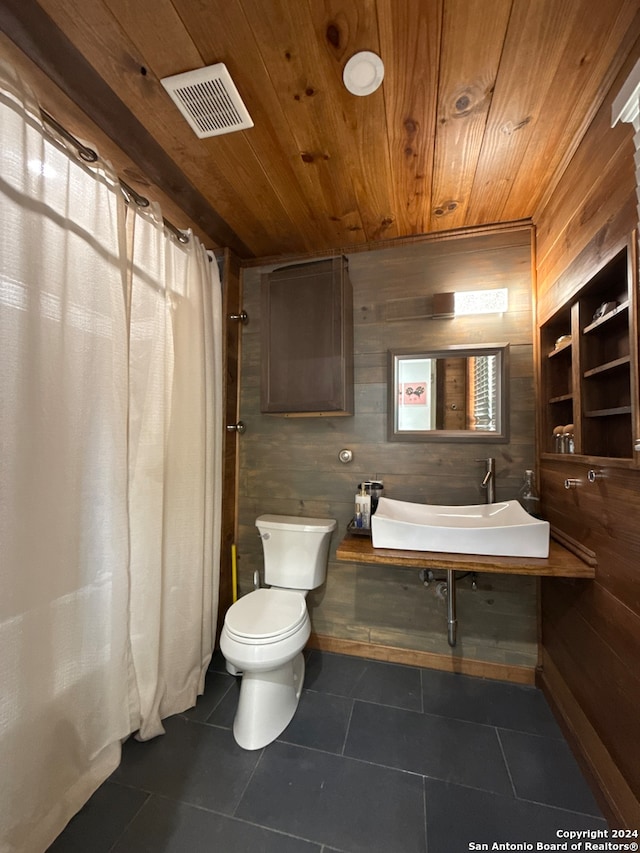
<point x="449" y="394"/>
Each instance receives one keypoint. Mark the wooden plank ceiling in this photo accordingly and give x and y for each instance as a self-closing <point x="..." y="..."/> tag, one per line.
<point x="482" y="105"/>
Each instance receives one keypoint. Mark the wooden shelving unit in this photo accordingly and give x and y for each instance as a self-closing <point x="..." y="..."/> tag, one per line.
<point x="557" y="373"/>
<point x="590" y="370"/>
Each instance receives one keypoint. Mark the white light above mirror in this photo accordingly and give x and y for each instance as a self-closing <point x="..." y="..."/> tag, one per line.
<point x="481" y="302"/>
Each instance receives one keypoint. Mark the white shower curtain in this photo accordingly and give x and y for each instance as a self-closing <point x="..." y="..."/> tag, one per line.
<point x="175" y="435"/>
<point x="110" y="440"/>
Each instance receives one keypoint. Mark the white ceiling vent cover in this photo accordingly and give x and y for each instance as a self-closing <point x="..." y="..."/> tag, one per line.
<point x="209" y="100"/>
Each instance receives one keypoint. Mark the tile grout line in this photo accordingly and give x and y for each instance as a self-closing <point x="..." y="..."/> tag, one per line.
<point x="455" y="719"/>
<point x="360" y="677"/>
<point x="366" y="761"/>
<point x="249" y="780"/>
<point x="369" y="701"/>
<point x="506" y="763"/>
<point x="424" y="806"/>
<point x="438" y="779"/>
<point x="215" y="707"/>
<point x="129" y="822"/>
<point x="242" y="820"/>
<point x="346" y="733"/>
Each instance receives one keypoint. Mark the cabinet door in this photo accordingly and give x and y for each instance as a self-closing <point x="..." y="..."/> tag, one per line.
<point x="307" y="340"/>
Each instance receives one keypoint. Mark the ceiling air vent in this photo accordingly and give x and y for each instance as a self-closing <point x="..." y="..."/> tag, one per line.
<point x="209" y="100"/>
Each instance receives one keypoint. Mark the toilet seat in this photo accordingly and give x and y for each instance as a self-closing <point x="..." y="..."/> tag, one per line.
<point x="266" y="616"/>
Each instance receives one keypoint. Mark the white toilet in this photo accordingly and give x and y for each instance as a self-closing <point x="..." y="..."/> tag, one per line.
<point x="265" y="631"/>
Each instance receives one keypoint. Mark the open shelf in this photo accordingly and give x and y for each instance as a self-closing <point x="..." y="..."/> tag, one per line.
<point x="616" y="364"/>
<point x="589" y="379"/>
<point x="606" y="318"/>
<point x="560" y="348"/>
<point x="608" y="413"/>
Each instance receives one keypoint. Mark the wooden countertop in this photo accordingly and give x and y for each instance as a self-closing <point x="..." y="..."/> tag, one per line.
<point x="560" y="562"/>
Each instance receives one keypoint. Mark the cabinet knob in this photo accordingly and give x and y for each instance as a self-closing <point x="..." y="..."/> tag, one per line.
<point x="593" y="475"/>
<point x="636" y="446"/>
<point x="242" y="317"/>
<point x="240" y="427"/>
<point x="571" y="483"/>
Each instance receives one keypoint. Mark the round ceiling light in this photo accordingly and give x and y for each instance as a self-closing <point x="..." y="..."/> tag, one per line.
<point x="363" y="73"/>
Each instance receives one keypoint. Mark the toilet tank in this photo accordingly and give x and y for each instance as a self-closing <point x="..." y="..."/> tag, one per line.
<point x="295" y="550"/>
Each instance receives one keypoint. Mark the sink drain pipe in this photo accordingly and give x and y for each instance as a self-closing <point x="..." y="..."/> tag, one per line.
<point x="452" y="621"/>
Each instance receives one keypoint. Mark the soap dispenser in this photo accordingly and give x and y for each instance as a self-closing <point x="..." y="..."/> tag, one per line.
<point x="363" y="504"/>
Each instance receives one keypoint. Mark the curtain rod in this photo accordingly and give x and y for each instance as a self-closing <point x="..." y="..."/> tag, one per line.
<point x="90" y="156"/>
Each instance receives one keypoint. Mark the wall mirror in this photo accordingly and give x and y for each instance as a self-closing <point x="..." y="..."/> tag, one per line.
<point x="457" y="393"/>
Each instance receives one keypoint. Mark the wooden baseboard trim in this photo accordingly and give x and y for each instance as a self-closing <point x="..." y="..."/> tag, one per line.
<point x="614" y="796"/>
<point x="429" y="660"/>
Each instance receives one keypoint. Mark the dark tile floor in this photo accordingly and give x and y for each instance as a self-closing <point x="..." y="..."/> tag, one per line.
<point x="379" y="758"/>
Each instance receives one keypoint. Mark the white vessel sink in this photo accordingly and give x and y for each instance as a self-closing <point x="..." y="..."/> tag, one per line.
<point x="501" y="529"/>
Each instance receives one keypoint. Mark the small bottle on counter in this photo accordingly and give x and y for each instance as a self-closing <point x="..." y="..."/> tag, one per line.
<point x="376" y="487"/>
<point x="528" y="495"/>
<point x="363" y="504"/>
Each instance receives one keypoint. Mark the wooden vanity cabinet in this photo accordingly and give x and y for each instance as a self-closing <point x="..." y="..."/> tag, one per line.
<point x="589" y="350"/>
<point x="307" y="340"/>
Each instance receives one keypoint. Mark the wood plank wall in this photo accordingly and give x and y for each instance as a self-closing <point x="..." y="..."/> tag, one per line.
<point x="591" y="629"/>
<point x="291" y="466"/>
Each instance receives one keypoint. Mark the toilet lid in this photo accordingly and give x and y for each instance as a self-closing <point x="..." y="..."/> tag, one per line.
<point x="266" y="614"/>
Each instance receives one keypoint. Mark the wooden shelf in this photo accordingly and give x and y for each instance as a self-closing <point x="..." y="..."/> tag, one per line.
<point x="590" y="459"/>
<point x="606" y="318"/>
<point x="561" y="399"/>
<point x="560" y="563"/>
<point x="625" y="361"/>
<point x="557" y="350"/>
<point x="608" y="413"/>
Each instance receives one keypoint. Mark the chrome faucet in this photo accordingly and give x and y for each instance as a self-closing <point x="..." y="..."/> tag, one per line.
<point x="489" y="482"/>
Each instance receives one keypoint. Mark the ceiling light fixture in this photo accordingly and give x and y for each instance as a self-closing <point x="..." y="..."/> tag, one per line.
<point x="363" y="73"/>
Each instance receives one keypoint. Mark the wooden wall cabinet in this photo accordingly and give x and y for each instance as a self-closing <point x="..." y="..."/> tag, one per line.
<point x="590" y="364"/>
<point x="307" y="340"/>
